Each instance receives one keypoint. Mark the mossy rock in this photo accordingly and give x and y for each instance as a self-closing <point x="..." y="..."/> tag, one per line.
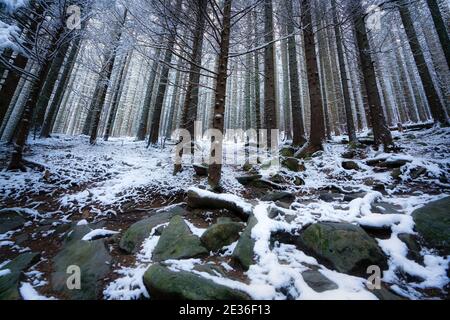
<point x="433" y="224"/>
<point x="177" y="242"/>
<point x="221" y="234"/>
<point x="164" y="284"/>
<point x="244" y="251"/>
<point x="344" y="247"/>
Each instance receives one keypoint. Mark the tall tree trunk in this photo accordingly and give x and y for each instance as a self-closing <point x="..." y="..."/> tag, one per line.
<point x="317" y="128"/>
<point x="440" y="28"/>
<point x="436" y="107"/>
<point x="56" y="102"/>
<point x="215" y="167"/>
<point x="116" y="97"/>
<point x="381" y="132"/>
<point x="143" y="120"/>
<point x="298" y="126"/>
<point x="270" y="108"/>
<point x="16" y="162"/>
<point x="161" y="93"/>
<point x="256" y="74"/>
<point x="344" y="78"/>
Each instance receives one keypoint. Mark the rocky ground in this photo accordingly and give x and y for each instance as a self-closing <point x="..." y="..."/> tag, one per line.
<point x="307" y="229"/>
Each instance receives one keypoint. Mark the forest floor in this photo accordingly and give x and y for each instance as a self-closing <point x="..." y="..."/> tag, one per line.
<point x="112" y="185"/>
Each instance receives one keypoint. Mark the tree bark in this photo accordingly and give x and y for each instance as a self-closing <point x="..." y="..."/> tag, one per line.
<point x="440" y="28"/>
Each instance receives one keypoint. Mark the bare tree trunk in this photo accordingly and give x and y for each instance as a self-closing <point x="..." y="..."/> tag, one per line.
<point x="436" y="107"/>
<point x="440" y="28"/>
<point x="381" y="132"/>
<point x="270" y="111"/>
<point x="317" y="132"/>
<point x="215" y="168"/>
<point x="344" y="78"/>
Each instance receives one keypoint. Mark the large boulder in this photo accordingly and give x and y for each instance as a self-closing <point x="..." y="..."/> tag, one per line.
<point x="344" y="247"/>
<point x="162" y="283"/>
<point x="12" y="271"/>
<point x="133" y="238"/>
<point x="244" y="251"/>
<point x="433" y="224"/>
<point x="10" y="219"/>
<point x="221" y="234"/>
<point x="93" y="259"/>
<point x="178" y="242"/>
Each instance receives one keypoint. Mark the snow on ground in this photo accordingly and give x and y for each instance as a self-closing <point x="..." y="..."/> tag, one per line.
<point x="111" y="173"/>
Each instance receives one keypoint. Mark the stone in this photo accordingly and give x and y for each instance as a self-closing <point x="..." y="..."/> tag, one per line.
<point x="135" y="235"/>
<point x="433" y="224"/>
<point x="200" y="169"/>
<point x="9" y="283"/>
<point x="10" y="219"/>
<point x="293" y="164"/>
<point x="385" y="208"/>
<point x="396" y="173"/>
<point x="344" y="247"/>
<point x="283" y="196"/>
<point x="197" y="198"/>
<point x="299" y="181"/>
<point x="93" y="260"/>
<point x="350" y="165"/>
<point x="317" y="281"/>
<point x="178" y="242"/>
<point x="352" y="196"/>
<point x="330" y="197"/>
<point x="349" y="154"/>
<point x="413" y="245"/>
<point x="221" y="234"/>
<point x="243" y="253"/>
<point x="287" y="151"/>
<point x="246" y="180"/>
<point x="164" y="284"/>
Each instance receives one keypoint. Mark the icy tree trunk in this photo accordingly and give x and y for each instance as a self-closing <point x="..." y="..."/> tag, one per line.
<point x="440" y="28"/>
<point x="143" y="119"/>
<point x="436" y="107"/>
<point x="317" y="131"/>
<point x="270" y="107"/>
<point x="298" y="126"/>
<point x="215" y="168"/>
<point x="16" y="162"/>
<point x="381" y="132"/>
<point x="56" y="102"/>
<point x="344" y="78"/>
<point x="162" y="88"/>
<point x="116" y="97"/>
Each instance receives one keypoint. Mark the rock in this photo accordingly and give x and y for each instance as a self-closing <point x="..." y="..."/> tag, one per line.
<point x="93" y="259"/>
<point x="414" y="248"/>
<point x="417" y="172"/>
<point x="243" y="253"/>
<point x="246" y="180"/>
<point x="133" y="238"/>
<point x="349" y="154"/>
<point x="344" y="247"/>
<point x="395" y="162"/>
<point x="211" y="269"/>
<point x="433" y="224"/>
<point x="279" y="196"/>
<point x="275" y="211"/>
<point x="201" y="169"/>
<point x="385" y="208"/>
<point x="293" y="164"/>
<point x="278" y="178"/>
<point x="10" y="219"/>
<point x="330" y="197"/>
<point x="178" y="242"/>
<point x="352" y="196"/>
<point x="299" y="181"/>
<point x="385" y="294"/>
<point x="350" y="165"/>
<point x="9" y="283"/>
<point x="221" y="234"/>
<point x="162" y="283"/>
<point x="198" y="198"/>
<point x="317" y="281"/>
<point x="396" y="173"/>
<point x="247" y="167"/>
<point x="287" y="152"/>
